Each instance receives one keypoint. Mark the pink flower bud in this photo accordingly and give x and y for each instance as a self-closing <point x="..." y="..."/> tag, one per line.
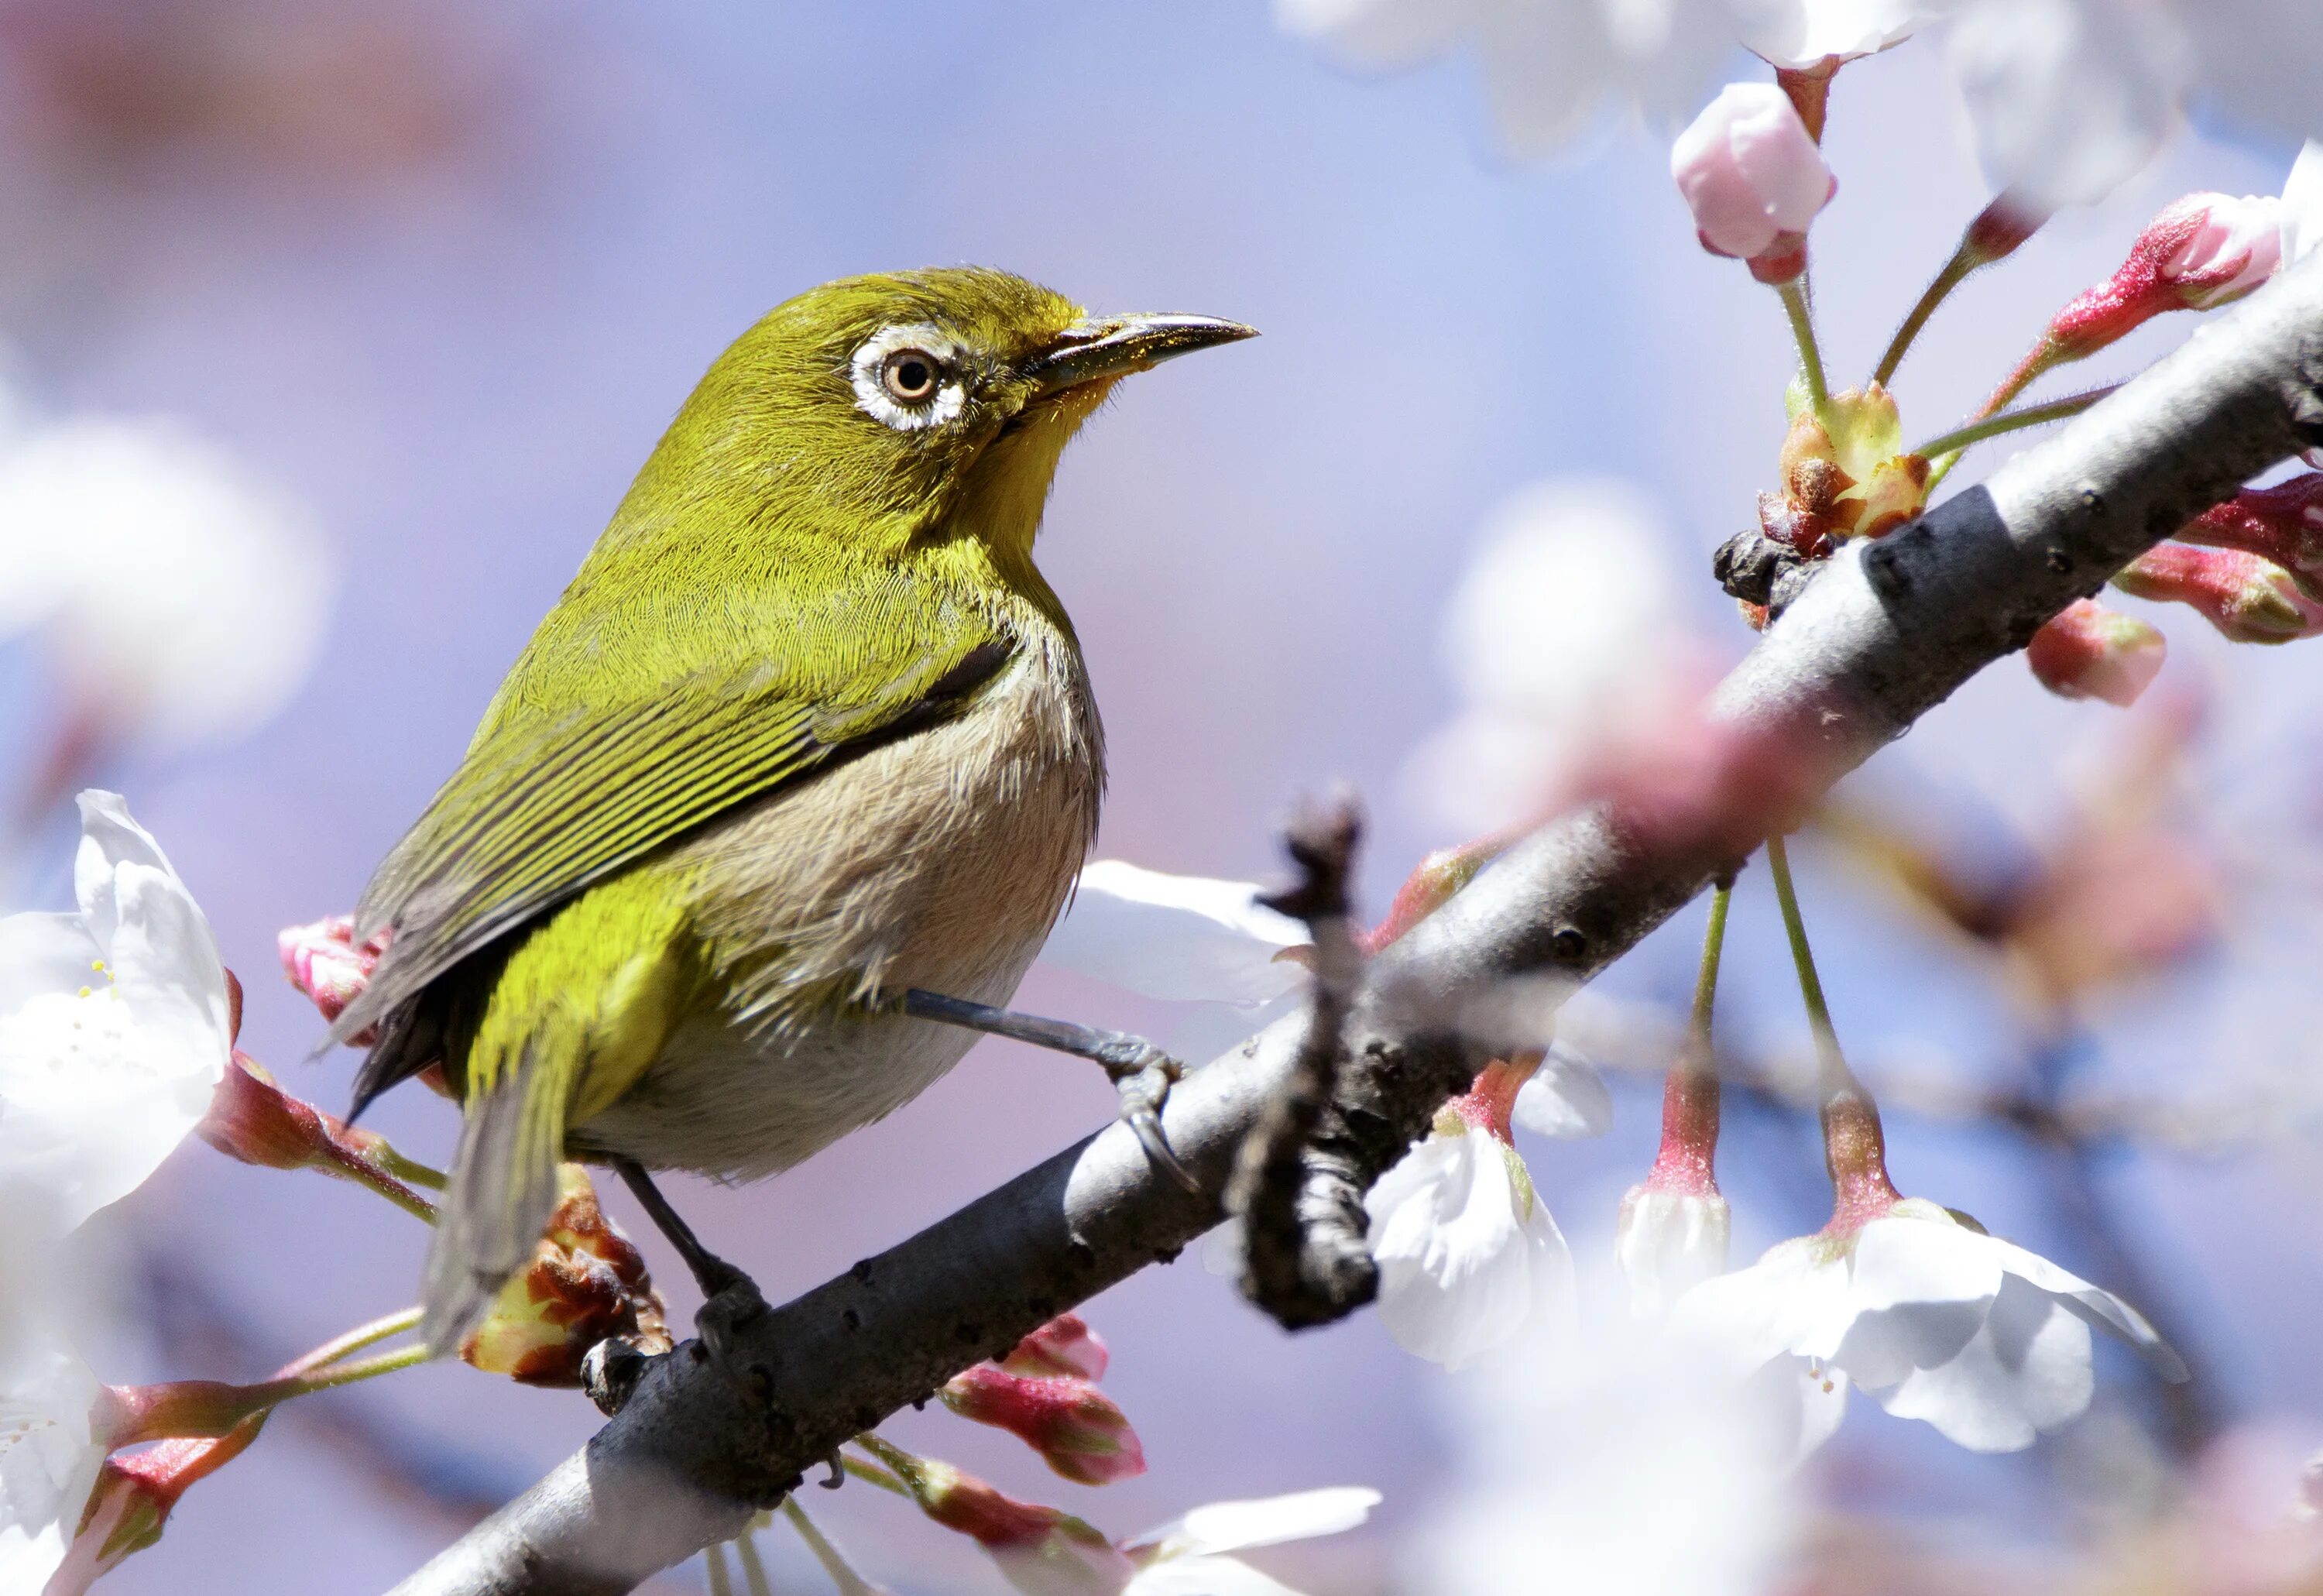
<point x="1432" y="883"/>
<point x="1038" y="1548"/>
<point x="1753" y="178"/>
<point x="325" y="962"/>
<point x="133" y="1501"/>
<point x="253" y="1119"/>
<point x="1065" y="1347"/>
<point x="2282" y="524"/>
<point x="2089" y="651"/>
<point x="1078" y="1430"/>
<point x="587" y="1283"/>
<point x="2249" y="598"/>
<point x="2000" y="227"/>
<point x="2200" y="252"/>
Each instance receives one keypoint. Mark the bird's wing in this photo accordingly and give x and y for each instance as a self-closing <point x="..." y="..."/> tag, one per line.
<point x="547" y="802"/>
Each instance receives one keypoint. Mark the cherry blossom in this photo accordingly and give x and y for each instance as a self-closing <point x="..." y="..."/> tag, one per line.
<point x="2302" y="203"/>
<point x="1193" y="940"/>
<point x="1468" y="1256"/>
<point x="1936" y="1319"/>
<point x="1753" y="178"/>
<point x="1623" y="1462"/>
<point x="1187" y="1555"/>
<point x="53" y="1445"/>
<point x="1809" y="35"/>
<point x="1566" y="630"/>
<point x="1551" y="66"/>
<point x="183" y="598"/>
<point x="116" y="1025"/>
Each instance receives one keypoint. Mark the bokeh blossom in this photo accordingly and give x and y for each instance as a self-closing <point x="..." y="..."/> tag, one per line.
<point x="181" y="598"/>
<point x="1936" y="1319"/>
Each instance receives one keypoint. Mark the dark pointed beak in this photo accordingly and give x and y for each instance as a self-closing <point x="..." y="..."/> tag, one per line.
<point x="1102" y="346"/>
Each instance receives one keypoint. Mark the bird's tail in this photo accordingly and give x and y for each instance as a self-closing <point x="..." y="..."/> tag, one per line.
<point x="503" y="1194"/>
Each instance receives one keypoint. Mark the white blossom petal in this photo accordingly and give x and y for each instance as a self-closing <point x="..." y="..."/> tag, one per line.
<point x="1565" y="1098"/>
<point x="111" y="1060"/>
<point x="1183" y="937"/>
<point x="2302" y="203"/>
<point x="2026" y="1370"/>
<point x="1792" y="1302"/>
<point x="2094" y="1303"/>
<point x="1667" y="1243"/>
<point x="1264" y="1521"/>
<point x="2069" y="97"/>
<point x="1919" y="1290"/>
<point x="1467" y="1255"/>
<point x="1204" y="1576"/>
<point x="1803" y="34"/>
<point x="49" y="1457"/>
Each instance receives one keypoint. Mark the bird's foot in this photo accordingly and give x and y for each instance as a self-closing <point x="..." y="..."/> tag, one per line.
<point x="728" y="1320"/>
<point x="1144" y="1088"/>
<point x="1141" y="1072"/>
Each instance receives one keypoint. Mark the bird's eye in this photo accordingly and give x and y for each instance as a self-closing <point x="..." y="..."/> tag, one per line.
<point x="911" y="375"/>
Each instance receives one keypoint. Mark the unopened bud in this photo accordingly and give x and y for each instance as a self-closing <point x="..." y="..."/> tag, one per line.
<point x="2282" y="524"/>
<point x="1040" y="1550"/>
<point x="132" y="1503"/>
<point x="587" y="1283"/>
<point x="1079" y="1431"/>
<point x="2000" y="227"/>
<point x="1753" y="178"/>
<point x="325" y="962"/>
<point x="2250" y="599"/>
<point x="253" y="1119"/>
<point x="2201" y="251"/>
<point x="2089" y="651"/>
<point x="1433" y="883"/>
<point x="1064" y="1346"/>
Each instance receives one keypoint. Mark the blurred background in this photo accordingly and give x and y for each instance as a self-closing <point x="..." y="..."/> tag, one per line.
<point x="435" y="277"/>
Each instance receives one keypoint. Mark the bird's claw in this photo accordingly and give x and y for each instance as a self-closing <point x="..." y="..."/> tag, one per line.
<point x="837" y="1464"/>
<point x="724" y="1325"/>
<point x="1144" y="1092"/>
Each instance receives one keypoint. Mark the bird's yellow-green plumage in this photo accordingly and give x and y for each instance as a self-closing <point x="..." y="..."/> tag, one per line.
<point x="807" y="727"/>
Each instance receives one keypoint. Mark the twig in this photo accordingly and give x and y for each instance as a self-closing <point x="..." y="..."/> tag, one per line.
<point x="1883" y="633"/>
<point x="1299" y="1180"/>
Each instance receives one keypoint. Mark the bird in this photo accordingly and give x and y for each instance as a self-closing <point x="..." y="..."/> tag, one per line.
<point x="773" y="812"/>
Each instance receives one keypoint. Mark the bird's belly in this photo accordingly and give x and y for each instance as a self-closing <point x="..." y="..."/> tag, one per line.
<point x="938" y="862"/>
<point x="741" y="1102"/>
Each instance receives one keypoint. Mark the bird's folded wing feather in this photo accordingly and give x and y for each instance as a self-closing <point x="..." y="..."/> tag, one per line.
<point x="546" y="803"/>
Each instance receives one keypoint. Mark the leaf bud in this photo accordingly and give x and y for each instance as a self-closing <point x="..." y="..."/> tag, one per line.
<point x="587" y="1283"/>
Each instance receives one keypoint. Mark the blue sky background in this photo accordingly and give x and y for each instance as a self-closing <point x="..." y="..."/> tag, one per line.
<point x="458" y="362"/>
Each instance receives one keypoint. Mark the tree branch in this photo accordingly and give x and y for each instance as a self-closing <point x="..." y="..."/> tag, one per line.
<point x="1883" y="633"/>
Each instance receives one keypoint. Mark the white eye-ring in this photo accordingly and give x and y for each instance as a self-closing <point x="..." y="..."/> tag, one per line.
<point x="908" y="377"/>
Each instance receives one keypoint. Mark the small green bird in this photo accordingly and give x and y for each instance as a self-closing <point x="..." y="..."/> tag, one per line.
<point x="808" y="741"/>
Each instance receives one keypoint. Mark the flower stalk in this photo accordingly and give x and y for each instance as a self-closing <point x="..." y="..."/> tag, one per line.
<point x="1946" y="448"/>
<point x="1801" y="318"/>
<point x="1994" y="235"/>
<point x="1855" y="1146"/>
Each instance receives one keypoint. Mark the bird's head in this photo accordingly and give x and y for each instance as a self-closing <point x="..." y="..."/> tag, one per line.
<point x="888" y="409"/>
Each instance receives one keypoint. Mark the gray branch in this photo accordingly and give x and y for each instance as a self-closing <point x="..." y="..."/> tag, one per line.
<point x="1883" y="633"/>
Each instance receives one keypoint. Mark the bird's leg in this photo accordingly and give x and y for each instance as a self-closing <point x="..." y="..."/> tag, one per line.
<point x="730" y="1300"/>
<point x="1141" y="1072"/>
